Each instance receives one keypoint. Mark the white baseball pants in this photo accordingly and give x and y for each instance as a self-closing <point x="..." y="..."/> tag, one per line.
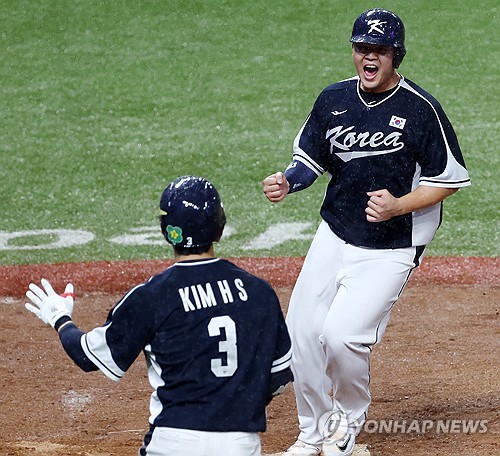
<point x="339" y="309"/>
<point x="185" y="442"/>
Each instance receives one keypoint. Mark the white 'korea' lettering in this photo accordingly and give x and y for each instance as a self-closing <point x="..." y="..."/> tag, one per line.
<point x="345" y="139"/>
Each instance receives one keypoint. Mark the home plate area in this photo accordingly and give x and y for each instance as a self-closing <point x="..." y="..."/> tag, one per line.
<point x="359" y="450"/>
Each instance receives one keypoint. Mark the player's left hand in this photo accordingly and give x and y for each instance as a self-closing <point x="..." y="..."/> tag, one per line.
<point x="47" y="305"/>
<point x="382" y="206"/>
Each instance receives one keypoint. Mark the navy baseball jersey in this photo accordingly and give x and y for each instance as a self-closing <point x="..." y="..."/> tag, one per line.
<point x="213" y="335"/>
<point x="395" y="140"/>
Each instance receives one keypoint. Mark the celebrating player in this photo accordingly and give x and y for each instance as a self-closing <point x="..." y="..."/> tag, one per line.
<point x="392" y="157"/>
<point x="215" y="340"/>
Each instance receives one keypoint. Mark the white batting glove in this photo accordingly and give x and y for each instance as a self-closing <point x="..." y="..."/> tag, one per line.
<point x="48" y="305"/>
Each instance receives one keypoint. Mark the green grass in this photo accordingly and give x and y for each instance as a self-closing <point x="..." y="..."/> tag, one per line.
<point x="103" y="103"/>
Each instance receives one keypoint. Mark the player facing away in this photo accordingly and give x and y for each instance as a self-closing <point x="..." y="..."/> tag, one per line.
<point x="392" y="157"/>
<point x="214" y="336"/>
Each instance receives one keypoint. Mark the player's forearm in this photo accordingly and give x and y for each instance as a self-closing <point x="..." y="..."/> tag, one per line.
<point x="278" y="383"/>
<point x="423" y="197"/>
<point x="70" y="336"/>
<point x="299" y="176"/>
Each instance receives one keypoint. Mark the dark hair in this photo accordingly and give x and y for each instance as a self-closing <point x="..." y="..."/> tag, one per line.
<point x="192" y="250"/>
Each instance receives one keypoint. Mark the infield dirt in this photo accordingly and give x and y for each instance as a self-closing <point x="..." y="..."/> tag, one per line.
<point x="438" y="362"/>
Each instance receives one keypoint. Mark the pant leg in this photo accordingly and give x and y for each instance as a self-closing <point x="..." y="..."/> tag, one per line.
<point x="165" y="441"/>
<point x="309" y="304"/>
<point x="370" y="282"/>
<point x="236" y="444"/>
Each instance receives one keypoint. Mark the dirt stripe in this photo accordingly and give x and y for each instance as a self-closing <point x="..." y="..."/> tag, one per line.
<point x="119" y="276"/>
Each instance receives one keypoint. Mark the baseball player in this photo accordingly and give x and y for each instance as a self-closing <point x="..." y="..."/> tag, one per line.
<point x="214" y="336"/>
<point x="392" y="157"/>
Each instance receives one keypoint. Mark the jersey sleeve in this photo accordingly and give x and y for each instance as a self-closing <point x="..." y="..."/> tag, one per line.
<point x="281" y="373"/>
<point x="440" y="157"/>
<point x="70" y="336"/>
<point x="114" y="346"/>
<point x="299" y="176"/>
<point x="309" y="146"/>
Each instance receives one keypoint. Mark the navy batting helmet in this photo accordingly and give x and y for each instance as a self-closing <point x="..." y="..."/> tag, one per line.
<point x="382" y="27"/>
<point x="191" y="213"/>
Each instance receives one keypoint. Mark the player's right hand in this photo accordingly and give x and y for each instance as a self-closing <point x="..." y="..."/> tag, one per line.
<point x="47" y="305"/>
<point x="275" y="187"/>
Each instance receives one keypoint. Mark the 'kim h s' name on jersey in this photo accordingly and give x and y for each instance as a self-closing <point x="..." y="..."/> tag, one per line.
<point x="213" y="334"/>
<point x="396" y="141"/>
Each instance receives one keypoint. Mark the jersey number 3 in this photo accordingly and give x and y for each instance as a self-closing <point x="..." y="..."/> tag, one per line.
<point x="227" y="346"/>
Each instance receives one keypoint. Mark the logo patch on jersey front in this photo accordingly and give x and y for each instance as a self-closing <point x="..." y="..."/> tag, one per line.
<point x="397" y="122"/>
<point x="174" y="234"/>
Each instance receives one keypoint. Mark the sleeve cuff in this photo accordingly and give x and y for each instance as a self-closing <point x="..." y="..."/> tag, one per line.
<point x="61" y="321"/>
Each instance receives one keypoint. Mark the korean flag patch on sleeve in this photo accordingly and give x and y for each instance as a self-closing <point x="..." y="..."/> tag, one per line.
<point x="397" y="122"/>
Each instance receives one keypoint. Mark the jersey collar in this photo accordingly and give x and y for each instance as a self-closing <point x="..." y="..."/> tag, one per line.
<point x="383" y="95"/>
<point x="196" y="262"/>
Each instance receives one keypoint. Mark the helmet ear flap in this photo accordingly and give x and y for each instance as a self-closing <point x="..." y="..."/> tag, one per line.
<point x="219" y="224"/>
<point x="399" y="54"/>
<point x="163" y="227"/>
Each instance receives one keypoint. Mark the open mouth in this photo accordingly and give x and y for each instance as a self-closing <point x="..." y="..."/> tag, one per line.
<point x="370" y="70"/>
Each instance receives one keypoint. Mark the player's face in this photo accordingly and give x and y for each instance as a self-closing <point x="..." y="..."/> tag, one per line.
<point x="373" y="64"/>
